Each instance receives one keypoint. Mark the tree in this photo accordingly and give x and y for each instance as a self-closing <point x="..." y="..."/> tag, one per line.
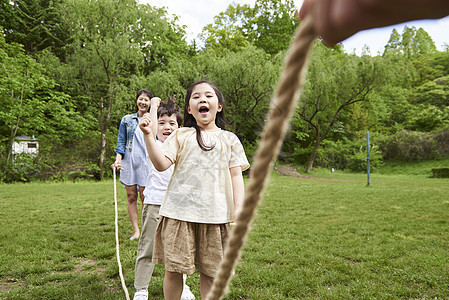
<point x="426" y="118"/>
<point x="435" y="92"/>
<point x="103" y="53"/>
<point x="20" y="75"/>
<point x="423" y="43"/>
<point x="269" y="26"/>
<point x="34" y="24"/>
<point x="227" y="31"/>
<point x="411" y="43"/>
<point x="334" y="82"/>
<point x="431" y="66"/>
<point x="159" y="37"/>
<point x="113" y="41"/>
<point x="394" y="42"/>
<point x="30" y="103"/>
<point x="389" y="104"/>
<point x="247" y="80"/>
<point x="273" y="25"/>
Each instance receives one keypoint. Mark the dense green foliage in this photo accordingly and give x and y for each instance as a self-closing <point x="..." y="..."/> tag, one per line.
<point x="70" y="71"/>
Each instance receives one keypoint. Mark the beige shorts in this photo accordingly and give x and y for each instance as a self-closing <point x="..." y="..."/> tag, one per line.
<point x="183" y="246"/>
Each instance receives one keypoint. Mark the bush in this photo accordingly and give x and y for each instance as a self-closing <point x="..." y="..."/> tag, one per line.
<point x="27" y="168"/>
<point x="334" y="154"/>
<point x="358" y="161"/>
<point x="301" y="155"/>
<point x="426" y="118"/>
<point x="23" y="169"/>
<point x="70" y="160"/>
<point x="69" y="171"/>
<point x="409" y="146"/>
<point x="440" y="172"/>
<point x="345" y="154"/>
<point x="442" y="140"/>
<point x="86" y="171"/>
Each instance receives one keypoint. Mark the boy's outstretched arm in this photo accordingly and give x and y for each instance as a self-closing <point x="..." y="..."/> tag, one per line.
<point x="238" y="189"/>
<point x="159" y="160"/>
<point x="155" y="102"/>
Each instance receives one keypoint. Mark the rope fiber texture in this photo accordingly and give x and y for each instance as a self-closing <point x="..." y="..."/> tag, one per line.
<point x="281" y="110"/>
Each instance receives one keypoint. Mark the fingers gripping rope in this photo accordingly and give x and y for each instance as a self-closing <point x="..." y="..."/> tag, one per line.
<point x="116" y="238"/>
<point x="281" y="109"/>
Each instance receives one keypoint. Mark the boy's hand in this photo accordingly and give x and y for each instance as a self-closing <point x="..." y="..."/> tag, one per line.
<point x="145" y="124"/>
<point x="155" y="101"/>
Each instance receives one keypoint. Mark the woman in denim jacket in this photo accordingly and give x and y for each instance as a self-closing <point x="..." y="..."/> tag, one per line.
<point x="131" y="160"/>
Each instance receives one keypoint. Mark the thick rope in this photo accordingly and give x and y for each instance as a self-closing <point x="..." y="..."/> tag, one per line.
<point x="281" y="109"/>
<point x="116" y="239"/>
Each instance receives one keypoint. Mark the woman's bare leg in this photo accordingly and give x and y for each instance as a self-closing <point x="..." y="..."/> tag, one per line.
<point x="142" y="197"/>
<point x="131" y="193"/>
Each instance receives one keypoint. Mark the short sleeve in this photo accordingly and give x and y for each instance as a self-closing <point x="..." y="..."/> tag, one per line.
<point x="238" y="156"/>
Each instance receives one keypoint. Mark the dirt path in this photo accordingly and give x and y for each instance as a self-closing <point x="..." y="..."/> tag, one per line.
<point x="287" y="170"/>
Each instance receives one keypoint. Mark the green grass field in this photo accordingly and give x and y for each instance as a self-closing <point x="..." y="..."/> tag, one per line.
<point x="311" y="239"/>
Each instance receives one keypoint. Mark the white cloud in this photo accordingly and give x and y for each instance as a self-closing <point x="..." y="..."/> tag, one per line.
<point x="444" y="21"/>
<point x="195" y="14"/>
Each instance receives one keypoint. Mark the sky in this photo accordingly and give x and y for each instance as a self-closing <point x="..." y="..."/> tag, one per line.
<point x="195" y="14"/>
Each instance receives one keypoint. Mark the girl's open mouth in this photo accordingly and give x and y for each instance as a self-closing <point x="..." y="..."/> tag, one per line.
<point x="203" y="110"/>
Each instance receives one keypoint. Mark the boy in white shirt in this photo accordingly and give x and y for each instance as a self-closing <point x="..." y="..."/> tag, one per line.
<point x="167" y="118"/>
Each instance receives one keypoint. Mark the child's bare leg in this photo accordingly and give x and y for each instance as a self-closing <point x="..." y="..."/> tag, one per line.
<point x="172" y="285"/>
<point x="205" y="285"/>
<point x="142" y="197"/>
<point x="131" y="193"/>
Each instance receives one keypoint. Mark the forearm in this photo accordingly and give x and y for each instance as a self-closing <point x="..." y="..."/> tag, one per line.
<point x="238" y="189"/>
<point x="153" y="116"/>
<point x="155" y="102"/>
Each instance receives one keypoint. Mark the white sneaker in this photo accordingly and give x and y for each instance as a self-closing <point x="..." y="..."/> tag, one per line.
<point x="187" y="293"/>
<point x="141" y="294"/>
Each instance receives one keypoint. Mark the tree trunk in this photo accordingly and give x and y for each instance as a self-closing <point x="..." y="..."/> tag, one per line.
<point x="104" y="128"/>
<point x="14" y="126"/>
<point x="102" y="153"/>
<point x="313" y="155"/>
<point x="9" y="150"/>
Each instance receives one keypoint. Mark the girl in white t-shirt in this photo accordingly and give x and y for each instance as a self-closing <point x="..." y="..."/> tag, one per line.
<point x="205" y="192"/>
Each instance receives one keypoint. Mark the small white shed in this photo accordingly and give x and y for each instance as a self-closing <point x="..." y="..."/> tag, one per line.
<point x="25" y="144"/>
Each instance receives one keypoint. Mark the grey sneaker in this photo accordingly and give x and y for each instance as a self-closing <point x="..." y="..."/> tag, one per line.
<point x="141" y="294"/>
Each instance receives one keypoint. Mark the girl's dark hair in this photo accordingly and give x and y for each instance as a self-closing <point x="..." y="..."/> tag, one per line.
<point x="169" y="108"/>
<point x="189" y="120"/>
<point x="144" y="91"/>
